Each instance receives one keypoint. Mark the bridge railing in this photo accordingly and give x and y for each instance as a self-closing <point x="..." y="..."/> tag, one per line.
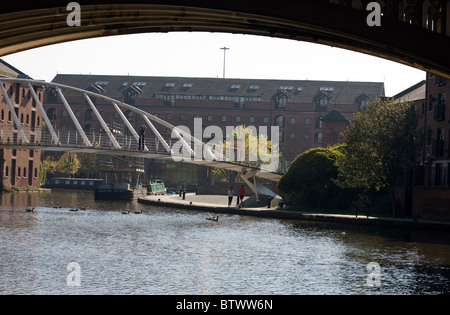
<point x="45" y="133"/>
<point x="40" y="138"/>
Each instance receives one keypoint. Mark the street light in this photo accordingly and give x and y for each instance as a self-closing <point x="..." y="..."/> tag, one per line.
<point x="224" y="58"/>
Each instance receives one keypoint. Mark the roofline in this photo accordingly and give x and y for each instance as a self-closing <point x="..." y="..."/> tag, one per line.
<point x="12" y="67"/>
<point x="410" y="89"/>
<point x="211" y="78"/>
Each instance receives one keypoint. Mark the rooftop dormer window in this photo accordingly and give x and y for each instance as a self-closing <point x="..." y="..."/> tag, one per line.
<point x="102" y="83"/>
<point x="170" y="85"/>
<point x="130" y="94"/>
<point x="363" y="100"/>
<point x="286" y="88"/>
<point x="96" y="89"/>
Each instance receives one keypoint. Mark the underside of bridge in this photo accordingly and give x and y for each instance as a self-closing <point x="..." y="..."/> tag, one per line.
<point x="414" y="33"/>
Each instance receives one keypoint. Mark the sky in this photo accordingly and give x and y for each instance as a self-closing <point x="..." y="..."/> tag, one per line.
<point x="199" y="55"/>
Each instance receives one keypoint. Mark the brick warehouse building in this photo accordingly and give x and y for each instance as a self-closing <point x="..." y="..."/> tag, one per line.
<point x="431" y="190"/>
<point x="19" y="168"/>
<point x="295" y="106"/>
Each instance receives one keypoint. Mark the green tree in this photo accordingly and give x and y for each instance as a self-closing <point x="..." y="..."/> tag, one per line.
<point x="311" y="178"/>
<point x="68" y="164"/>
<point x="88" y="164"/>
<point x="380" y="143"/>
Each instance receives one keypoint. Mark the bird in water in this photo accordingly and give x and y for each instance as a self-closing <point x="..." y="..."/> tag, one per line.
<point x="215" y="219"/>
<point x="30" y="209"/>
<point x="125" y="212"/>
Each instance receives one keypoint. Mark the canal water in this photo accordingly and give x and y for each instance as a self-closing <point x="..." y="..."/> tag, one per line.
<point x="167" y="251"/>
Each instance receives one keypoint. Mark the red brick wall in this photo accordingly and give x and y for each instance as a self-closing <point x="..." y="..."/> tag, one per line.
<point x="328" y="127"/>
<point x="431" y="203"/>
<point x="19" y="168"/>
<point x="299" y="130"/>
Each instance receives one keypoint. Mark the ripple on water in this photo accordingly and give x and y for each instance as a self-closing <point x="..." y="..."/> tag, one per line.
<point x="167" y="251"/>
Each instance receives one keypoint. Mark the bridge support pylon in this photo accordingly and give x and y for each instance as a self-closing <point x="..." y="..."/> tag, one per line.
<point x="246" y="176"/>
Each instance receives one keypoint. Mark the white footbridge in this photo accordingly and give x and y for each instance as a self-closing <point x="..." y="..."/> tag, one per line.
<point x="45" y="137"/>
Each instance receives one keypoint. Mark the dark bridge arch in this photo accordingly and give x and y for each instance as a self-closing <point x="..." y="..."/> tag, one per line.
<point x="412" y="34"/>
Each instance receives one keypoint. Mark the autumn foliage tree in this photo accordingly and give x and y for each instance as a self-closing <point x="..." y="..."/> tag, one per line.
<point x="68" y="164"/>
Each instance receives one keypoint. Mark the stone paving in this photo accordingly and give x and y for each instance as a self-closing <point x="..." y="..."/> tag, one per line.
<point x="219" y="204"/>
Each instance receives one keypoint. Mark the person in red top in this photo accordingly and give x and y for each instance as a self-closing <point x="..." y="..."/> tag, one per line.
<point x="242" y="192"/>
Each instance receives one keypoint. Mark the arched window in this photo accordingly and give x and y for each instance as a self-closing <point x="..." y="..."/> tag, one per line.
<point x="238" y="119"/>
<point x="87" y="128"/>
<point x="279" y="121"/>
<point x="89" y="115"/>
<point x="130" y="115"/>
<point x="51" y="113"/>
<point x="334" y="136"/>
<point x="322" y="103"/>
<point x="319" y="123"/>
<point x="307" y="121"/>
<point x="281" y="101"/>
<point x="293" y="121"/>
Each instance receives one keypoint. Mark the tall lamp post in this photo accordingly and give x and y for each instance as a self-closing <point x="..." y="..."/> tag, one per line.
<point x="224" y="58"/>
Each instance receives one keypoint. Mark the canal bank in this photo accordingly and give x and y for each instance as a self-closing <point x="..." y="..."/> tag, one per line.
<point x="218" y="205"/>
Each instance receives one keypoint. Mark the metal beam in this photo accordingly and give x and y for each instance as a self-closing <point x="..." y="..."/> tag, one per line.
<point x="128" y="124"/>
<point x="44" y="115"/>
<point x="50" y="141"/>
<point x="105" y="127"/>
<point x="17" y="123"/>
<point x="41" y="23"/>
<point x="74" y="118"/>
<point x="157" y="134"/>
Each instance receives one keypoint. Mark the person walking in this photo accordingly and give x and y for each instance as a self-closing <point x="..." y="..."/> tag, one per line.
<point x="241" y="196"/>
<point x="230" y="196"/>
<point x="142" y="137"/>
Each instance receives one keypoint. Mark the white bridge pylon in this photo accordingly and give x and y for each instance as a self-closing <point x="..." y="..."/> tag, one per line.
<point x="108" y="141"/>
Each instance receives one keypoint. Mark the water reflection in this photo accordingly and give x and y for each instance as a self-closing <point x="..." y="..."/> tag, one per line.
<point x="168" y="251"/>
